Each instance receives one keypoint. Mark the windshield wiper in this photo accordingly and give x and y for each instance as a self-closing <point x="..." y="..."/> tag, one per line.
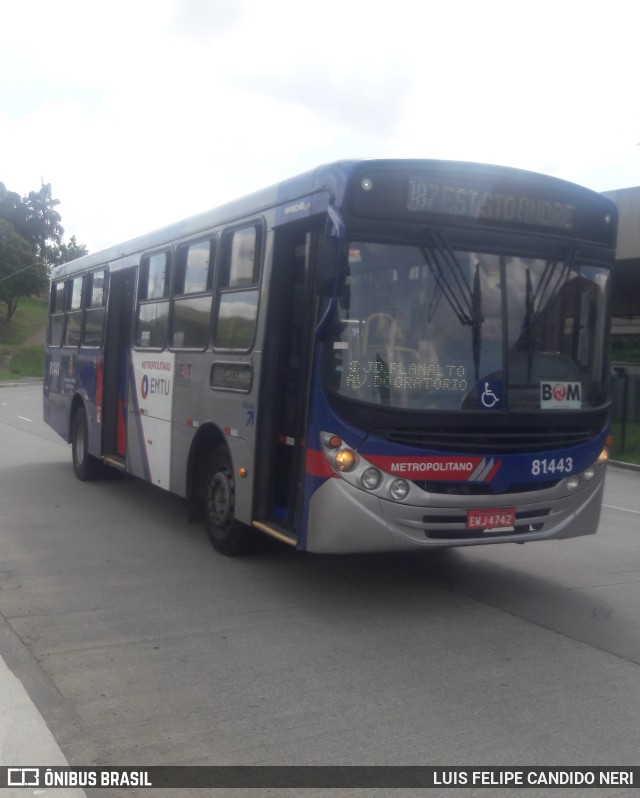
<point x="476" y="321"/>
<point x="553" y="277"/>
<point x="465" y="301"/>
<point x="442" y="261"/>
<point x="529" y="318"/>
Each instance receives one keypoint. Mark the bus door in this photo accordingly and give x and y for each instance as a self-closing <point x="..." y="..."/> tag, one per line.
<point x="287" y="363"/>
<point x="115" y="371"/>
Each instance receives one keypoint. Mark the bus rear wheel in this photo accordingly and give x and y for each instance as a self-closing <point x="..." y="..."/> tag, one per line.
<point x="227" y="535"/>
<point x="85" y="465"/>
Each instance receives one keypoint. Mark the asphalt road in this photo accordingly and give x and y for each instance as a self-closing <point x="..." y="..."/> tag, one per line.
<point x="137" y="644"/>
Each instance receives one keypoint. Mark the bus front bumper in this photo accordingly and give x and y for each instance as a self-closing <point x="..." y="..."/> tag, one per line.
<point x="344" y="519"/>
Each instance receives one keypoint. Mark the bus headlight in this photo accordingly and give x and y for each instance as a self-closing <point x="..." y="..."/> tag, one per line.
<point x="399" y="489"/>
<point x="346" y="460"/>
<point x="589" y="473"/>
<point x="371" y="478"/>
<point x="356" y="470"/>
<point x="573" y="483"/>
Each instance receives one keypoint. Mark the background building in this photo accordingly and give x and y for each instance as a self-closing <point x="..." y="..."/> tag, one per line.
<point x="626" y="277"/>
<point x="625" y="329"/>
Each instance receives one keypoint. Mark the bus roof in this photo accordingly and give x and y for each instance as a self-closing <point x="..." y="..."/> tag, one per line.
<point x="332" y="178"/>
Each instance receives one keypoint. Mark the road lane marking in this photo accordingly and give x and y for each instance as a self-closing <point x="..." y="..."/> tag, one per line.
<point x="24" y="418"/>
<point x="623" y="509"/>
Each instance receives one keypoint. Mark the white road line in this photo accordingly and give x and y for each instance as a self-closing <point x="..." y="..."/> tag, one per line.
<point x="24" y="418"/>
<point x="622" y="509"/>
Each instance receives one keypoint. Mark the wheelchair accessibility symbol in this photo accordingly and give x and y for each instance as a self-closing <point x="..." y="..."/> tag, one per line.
<point x="491" y="396"/>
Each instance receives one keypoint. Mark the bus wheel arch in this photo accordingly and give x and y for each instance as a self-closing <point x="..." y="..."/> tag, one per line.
<point x="227" y="535"/>
<point x="86" y="467"/>
<point x="207" y="440"/>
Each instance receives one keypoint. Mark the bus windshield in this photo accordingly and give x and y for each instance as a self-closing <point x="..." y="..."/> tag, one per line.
<point x="440" y="328"/>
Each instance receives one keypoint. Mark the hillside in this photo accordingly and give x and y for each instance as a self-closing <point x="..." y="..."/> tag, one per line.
<point x="22" y="340"/>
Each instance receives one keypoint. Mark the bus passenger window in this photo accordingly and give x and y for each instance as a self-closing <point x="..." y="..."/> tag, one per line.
<point x="190" y="327"/>
<point x="153" y="302"/>
<point x="192" y="296"/>
<point x="237" y="310"/>
<point x="193" y="273"/>
<point x="74" y="315"/>
<point x="97" y="290"/>
<point x="56" y="322"/>
<point x="156" y="276"/>
<point x="152" y="326"/>
<point x="240" y="262"/>
<point x="95" y="312"/>
<point x="236" y="324"/>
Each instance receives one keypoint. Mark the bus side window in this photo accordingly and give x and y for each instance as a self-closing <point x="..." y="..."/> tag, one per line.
<point x="237" y="310"/>
<point x="74" y="312"/>
<point x="95" y="309"/>
<point x="56" y="313"/>
<point x="192" y="296"/>
<point x="153" y="301"/>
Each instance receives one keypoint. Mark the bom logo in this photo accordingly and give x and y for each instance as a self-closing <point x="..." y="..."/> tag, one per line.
<point x="560" y="395"/>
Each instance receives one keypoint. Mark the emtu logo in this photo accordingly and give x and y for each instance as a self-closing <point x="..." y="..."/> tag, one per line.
<point x="145" y="387"/>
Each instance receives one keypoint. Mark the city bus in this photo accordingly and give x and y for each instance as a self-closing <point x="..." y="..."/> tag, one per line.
<point x="374" y="356"/>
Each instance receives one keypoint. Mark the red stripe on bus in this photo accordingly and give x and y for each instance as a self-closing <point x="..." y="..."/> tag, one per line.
<point x="316" y="464"/>
<point x="493" y="471"/>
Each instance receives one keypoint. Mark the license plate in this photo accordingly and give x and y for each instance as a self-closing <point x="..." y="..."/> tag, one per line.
<point x="502" y="518"/>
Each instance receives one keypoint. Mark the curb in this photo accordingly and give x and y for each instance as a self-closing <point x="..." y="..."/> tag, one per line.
<point x="627" y="466"/>
<point x="26" y="381"/>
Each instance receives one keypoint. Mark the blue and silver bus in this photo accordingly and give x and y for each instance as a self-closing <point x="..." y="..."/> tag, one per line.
<point x="376" y="355"/>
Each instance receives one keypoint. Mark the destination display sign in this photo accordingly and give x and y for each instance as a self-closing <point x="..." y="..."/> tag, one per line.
<point x="433" y="196"/>
<point x="484" y="196"/>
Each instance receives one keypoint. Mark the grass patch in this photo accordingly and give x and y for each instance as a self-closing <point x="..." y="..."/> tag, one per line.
<point x="625" y="349"/>
<point x="28" y="361"/>
<point x="29" y="319"/>
<point x="20" y="355"/>
<point x="627" y="450"/>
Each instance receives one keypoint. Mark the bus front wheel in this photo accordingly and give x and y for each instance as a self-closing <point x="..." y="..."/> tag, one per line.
<point x="227" y="535"/>
<point x="85" y="465"/>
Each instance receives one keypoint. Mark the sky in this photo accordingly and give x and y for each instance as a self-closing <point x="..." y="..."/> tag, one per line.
<point x="143" y="112"/>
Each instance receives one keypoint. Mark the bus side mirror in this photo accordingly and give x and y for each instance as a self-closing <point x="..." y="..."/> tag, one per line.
<point x="328" y="263"/>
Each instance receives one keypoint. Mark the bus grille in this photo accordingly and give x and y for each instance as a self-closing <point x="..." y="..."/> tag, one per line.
<point x="483" y="440"/>
<point x="481" y="488"/>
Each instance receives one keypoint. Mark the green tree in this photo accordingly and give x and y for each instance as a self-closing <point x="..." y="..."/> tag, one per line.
<point x="11" y="207"/>
<point x="22" y="273"/>
<point x="36" y="219"/>
<point x="70" y="251"/>
<point x="43" y="223"/>
<point x="34" y="222"/>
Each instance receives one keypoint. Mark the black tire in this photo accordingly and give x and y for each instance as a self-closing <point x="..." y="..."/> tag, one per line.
<point x="227" y="535"/>
<point x="85" y="465"/>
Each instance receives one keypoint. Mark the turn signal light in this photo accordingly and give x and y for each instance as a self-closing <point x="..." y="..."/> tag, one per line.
<point x="346" y="460"/>
<point x="334" y="442"/>
<point x="603" y="457"/>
